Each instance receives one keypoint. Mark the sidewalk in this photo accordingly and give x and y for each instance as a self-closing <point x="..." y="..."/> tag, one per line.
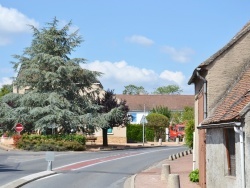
<point x="152" y="177"/>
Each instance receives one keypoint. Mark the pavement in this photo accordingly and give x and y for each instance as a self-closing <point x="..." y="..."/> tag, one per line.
<point x="180" y="164"/>
<point x="152" y="177"/>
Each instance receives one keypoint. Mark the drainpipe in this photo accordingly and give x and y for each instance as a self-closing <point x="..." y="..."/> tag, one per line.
<point x="240" y="131"/>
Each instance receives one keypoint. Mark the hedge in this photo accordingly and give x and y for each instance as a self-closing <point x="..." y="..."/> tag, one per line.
<point x="50" y="142"/>
<point x="135" y="133"/>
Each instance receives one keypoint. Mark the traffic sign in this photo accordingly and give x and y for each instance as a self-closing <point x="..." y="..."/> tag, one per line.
<point x="19" y="127"/>
<point x="143" y="120"/>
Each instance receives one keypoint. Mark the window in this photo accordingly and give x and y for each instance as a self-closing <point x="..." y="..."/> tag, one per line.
<point x="230" y="151"/>
<point x="110" y="130"/>
<point x="132" y="117"/>
<point x="134" y="120"/>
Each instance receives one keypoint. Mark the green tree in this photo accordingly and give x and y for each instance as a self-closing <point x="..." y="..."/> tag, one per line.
<point x="189" y="129"/>
<point x="188" y="113"/>
<point x="162" y="110"/>
<point x="61" y="93"/>
<point x="158" y="122"/>
<point x="134" y="90"/>
<point x="170" y="89"/>
<point x="5" y="90"/>
<point x="109" y="103"/>
<point x="188" y="118"/>
<point x="176" y="117"/>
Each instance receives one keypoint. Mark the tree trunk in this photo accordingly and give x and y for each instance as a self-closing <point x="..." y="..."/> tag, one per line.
<point x="105" y="137"/>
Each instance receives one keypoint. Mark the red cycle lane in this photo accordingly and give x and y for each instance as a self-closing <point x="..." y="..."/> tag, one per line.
<point x="84" y="164"/>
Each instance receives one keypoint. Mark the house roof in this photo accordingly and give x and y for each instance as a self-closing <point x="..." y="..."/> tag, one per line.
<point x="238" y="36"/>
<point x="233" y="103"/>
<point x="173" y="102"/>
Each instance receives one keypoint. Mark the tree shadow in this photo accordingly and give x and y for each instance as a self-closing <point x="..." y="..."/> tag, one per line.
<point x="7" y="168"/>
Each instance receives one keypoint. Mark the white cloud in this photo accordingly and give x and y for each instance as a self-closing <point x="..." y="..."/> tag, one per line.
<point x="119" y="74"/>
<point x="11" y="22"/>
<point x="5" y="81"/>
<point x="138" y="39"/>
<point x="176" y="77"/>
<point x="182" y="55"/>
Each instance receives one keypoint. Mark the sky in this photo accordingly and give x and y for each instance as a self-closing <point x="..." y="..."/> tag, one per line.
<point x="144" y="42"/>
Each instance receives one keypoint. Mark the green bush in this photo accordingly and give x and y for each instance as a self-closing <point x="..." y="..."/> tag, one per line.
<point x="189" y="129"/>
<point x="134" y="133"/>
<point x="194" y="176"/>
<point x="51" y="142"/>
<point x="158" y="123"/>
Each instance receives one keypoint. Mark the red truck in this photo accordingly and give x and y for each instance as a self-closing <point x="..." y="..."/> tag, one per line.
<point x="176" y="131"/>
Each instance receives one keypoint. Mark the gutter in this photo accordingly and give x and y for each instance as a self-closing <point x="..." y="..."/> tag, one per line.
<point x="217" y="125"/>
<point x="205" y="92"/>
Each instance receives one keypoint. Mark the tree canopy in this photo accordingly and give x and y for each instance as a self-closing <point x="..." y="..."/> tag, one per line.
<point x="158" y="122"/>
<point x="170" y="89"/>
<point x="61" y="93"/>
<point x="5" y="90"/>
<point x="134" y="90"/>
<point x="188" y="118"/>
<point x="162" y="110"/>
<point x="109" y="104"/>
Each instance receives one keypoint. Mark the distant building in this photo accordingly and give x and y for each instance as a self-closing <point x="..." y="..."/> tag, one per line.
<point x="136" y="104"/>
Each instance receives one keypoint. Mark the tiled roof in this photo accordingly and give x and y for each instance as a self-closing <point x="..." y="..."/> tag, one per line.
<point x="240" y="34"/>
<point x="173" y="102"/>
<point x="234" y="101"/>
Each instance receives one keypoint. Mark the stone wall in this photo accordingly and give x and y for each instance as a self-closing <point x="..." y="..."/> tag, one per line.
<point x="113" y="140"/>
<point x="6" y="140"/>
<point x="216" y="161"/>
<point x="247" y="148"/>
<point x="225" y="70"/>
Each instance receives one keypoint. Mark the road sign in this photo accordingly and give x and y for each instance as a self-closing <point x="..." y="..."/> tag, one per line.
<point x="19" y="127"/>
<point x="143" y="120"/>
<point x="50" y="156"/>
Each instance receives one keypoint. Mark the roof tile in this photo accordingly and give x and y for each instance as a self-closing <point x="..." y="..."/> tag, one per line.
<point x="173" y="102"/>
<point x="234" y="101"/>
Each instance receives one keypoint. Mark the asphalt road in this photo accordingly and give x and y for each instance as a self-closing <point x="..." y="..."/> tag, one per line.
<point x="104" y="169"/>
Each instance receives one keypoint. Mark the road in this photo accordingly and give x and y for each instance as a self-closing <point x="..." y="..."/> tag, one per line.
<point x="83" y="169"/>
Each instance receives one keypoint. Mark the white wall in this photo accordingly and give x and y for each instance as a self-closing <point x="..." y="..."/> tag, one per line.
<point x="216" y="161"/>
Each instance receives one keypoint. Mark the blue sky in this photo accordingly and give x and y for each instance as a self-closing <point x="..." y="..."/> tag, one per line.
<point x="145" y="43"/>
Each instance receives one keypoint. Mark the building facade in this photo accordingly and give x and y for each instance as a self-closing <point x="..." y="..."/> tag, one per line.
<point x="217" y="141"/>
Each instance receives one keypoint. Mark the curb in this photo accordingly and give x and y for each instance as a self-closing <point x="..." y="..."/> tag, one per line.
<point x="130" y="182"/>
<point x="181" y="154"/>
<point x="27" y="179"/>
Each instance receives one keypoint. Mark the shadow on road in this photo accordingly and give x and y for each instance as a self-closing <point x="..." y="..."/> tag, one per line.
<point x="7" y="168"/>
